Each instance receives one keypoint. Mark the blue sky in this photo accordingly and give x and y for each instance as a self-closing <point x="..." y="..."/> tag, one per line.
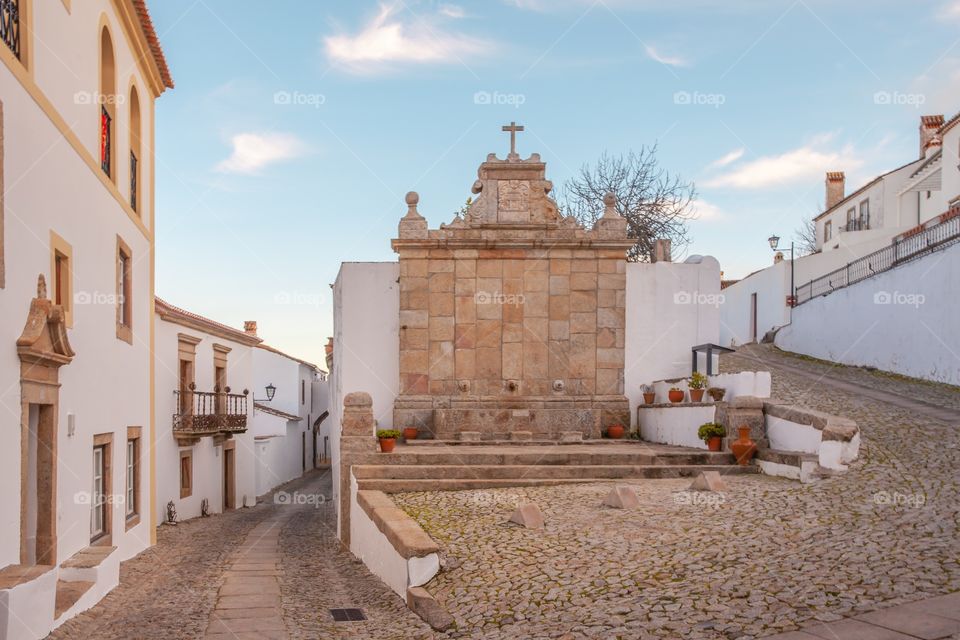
<point x="296" y="127"/>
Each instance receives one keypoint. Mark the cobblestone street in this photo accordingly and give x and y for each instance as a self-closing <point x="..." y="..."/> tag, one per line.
<point x="171" y="590"/>
<point x="773" y="556"/>
<point x="768" y="556"/>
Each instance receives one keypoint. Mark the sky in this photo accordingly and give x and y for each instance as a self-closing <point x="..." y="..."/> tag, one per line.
<point x="297" y="126"/>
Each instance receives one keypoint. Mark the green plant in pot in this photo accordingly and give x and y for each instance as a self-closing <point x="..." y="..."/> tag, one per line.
<point x="697" y="383"/>
<point x="717" y="393"/>
<point x="649" y="395"/>
<point x="712" y="434"/>
<point x="388" y="439"/>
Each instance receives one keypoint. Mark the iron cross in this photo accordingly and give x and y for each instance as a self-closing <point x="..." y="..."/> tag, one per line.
<point x="513" y="129"/>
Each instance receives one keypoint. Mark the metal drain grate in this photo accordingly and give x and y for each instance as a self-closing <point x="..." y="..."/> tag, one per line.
<point x="347" y="615"/>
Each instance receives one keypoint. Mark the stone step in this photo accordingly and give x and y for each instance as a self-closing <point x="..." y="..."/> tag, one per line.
<point x="504" y="472"/>
<point x="556" y="456"/>
<point x="396" y="485"/>
<point x="67" y="595"/>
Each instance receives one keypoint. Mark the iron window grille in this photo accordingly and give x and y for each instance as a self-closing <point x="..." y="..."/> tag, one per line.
<point x="10" y="25"/>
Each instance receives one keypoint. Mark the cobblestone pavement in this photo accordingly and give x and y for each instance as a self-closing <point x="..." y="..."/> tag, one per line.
<point x="772" y="556"/>
<point x="170" y="590"/>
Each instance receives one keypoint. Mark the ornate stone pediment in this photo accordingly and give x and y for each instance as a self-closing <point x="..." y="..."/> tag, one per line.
<point x="44" y="339"/>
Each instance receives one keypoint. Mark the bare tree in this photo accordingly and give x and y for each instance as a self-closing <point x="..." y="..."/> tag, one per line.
<point x="805" y="237"/>
<point x="655" y="203"/>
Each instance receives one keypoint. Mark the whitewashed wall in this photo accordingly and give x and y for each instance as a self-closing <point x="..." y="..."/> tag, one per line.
<point x="279" y="457"/>
<point x="951" y="172"/>
<point x="903" y="320"/>
<point x="207" y="458"/>
<point x="366" y="343"/>
<point x="107" y="386"/>
<point x="671" y="307"/>
<point x="772" y="286"/>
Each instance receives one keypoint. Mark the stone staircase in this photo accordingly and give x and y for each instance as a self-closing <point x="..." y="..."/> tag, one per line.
<point x="452" y="466"/>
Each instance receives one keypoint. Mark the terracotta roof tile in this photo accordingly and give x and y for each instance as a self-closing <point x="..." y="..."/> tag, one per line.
<point x="168" y="311"/>
<point x="147" y="25"/>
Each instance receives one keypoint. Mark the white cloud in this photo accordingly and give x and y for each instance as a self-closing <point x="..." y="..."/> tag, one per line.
<point x="255" y="151"/>
<point x="708" y="212"/>
<point x="728" y="158"/>
<point x="802" y="164"/>
<point x="670" y="61"/>
<point x="452" y="11"/>
<point x="387" y="39"/>
<point x="951" y="11"/>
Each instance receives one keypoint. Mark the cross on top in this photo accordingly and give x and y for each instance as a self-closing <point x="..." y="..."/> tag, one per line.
<point x="513" y="128"/>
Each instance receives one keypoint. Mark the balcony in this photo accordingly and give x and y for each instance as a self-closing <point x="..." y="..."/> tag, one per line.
<point x="204" y="413"/>
<point x="856" y="225"/>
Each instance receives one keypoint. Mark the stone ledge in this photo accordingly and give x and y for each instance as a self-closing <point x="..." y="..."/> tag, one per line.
<point x="674" y="405"/>
<point x="402" y="531"/>
<point x="833" y="427"/>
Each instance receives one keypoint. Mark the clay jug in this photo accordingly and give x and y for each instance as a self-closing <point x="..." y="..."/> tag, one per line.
<point x="743" y="447"/>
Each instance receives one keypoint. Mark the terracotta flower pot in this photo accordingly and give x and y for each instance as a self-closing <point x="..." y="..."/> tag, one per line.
<point x="714" y="443"/>
<point x="743" y="447"/>
<point x="675" y="395"/>
<point x="387" y="445"/>
<point x="615" y="431"/>
<point x="696" y="395"/>
<point x="410" y="433"/>
<point x="649" y="398"/>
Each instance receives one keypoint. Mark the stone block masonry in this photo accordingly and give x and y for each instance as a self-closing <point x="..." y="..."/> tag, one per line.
<point x="512" y="318"/>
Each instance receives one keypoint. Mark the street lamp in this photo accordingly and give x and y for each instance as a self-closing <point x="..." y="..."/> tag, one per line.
<point x="774" y="241"/>
<point x="271" y="391"/>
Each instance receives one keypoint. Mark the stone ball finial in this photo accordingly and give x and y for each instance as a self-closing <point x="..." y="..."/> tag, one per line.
<point x="413" y="198"/>
<point x="610" y="203"/>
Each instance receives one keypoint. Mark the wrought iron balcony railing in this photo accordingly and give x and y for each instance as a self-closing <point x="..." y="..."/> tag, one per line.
<point x="10" y="25"/>
<point x="207" y="413"/>
<point x="133" y="181"/>
<point x="856" y="225"/>
<point x="106" y="138"/>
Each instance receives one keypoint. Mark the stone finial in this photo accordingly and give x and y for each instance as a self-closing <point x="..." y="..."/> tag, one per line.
<point x="41" y="287"/>
<point x="528" y="515"/>
<point x="610" y="205"/>
<point x="250" y="327"/>
<point x="622" y="497"/>
<point x="412" y="199"/>
<point x="661" y="250"/>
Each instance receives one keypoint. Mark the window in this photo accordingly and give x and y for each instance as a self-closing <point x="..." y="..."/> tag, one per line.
<point x="14" y="27"/>
<point x="303" y="392"/>
<point x="134" y="148"/>
<point x="851" y="219"/>
<point x="100" y="502"/>
<point x="124" y="292"/>
<point x="61" y="269"/>
<point x="106" y="100"/>
<point x="865" y="214"/>
<point x="132" y="490"/>
<point x="186" y="474"/>
<point x="827" y="231"/>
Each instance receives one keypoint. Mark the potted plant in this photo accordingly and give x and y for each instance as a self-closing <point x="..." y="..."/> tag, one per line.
<point x="649" y="395"/>
<point x="388" y="439"/>
<point x="712" y="434"/>
<point x="675" y="395"/>
<point x="615" y="431"/>
<point x="717" y="393"/>
<point x="697" y="383"/>
<point x="410" y="433"/>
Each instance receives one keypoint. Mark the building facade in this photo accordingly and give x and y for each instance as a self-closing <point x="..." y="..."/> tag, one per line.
<point x="78" y="81"/>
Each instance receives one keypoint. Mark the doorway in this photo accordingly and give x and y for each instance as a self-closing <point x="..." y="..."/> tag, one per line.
<point x="229" y="477"/>
<point x="38" y="502"/>
<point x="753" y="317"/>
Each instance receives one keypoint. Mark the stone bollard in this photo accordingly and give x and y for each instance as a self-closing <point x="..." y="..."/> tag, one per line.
<point x="357" y="437"/>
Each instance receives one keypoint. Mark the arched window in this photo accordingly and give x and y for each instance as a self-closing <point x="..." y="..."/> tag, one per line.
<point x="107" y="103"/>
<point x="135" y="190"/>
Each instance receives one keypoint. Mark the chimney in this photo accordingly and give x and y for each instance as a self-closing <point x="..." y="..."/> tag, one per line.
<point x="836" y="188"/>
<point x="778" y="257"/>
<point x="929" y="133"/>
<point x="250" y="328"/>
<point x="661" y="250"/>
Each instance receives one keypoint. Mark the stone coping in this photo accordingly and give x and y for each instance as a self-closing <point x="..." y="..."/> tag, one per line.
<point x="16" y="574"/>
<point x="833" y="427"/>
<point x="672" y="405"/>
<point x="401" y="530"/>
<point x="790" y="458"/>
<point x="87" y="558"/>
